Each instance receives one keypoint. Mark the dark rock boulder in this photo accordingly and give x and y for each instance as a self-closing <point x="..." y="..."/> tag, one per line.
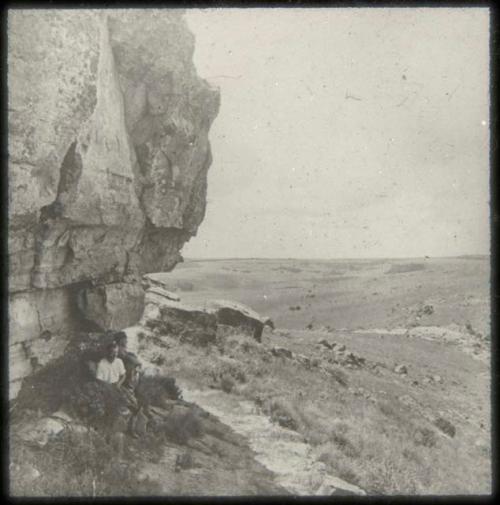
<point x="238" y="315"/>
<point x="188" y="323"/>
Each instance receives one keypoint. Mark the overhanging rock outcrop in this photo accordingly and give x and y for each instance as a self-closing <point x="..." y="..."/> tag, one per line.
<point x="187" y="322"/>
<point x="108" y="157"/>
<point x="196" y="322"/>
<point x="238" y="315"/>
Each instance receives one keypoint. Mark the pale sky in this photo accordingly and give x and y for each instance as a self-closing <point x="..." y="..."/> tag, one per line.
<point x="346" y="132"/>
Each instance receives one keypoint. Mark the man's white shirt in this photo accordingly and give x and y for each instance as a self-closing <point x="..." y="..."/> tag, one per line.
<point x="110" y="372"/>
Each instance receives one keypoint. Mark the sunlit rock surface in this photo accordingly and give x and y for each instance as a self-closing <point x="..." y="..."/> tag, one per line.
<point x="108" y="156"/>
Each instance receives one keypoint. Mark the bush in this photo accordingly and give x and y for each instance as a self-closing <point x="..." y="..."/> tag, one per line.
<point x="347" y="447"/>
<point x="48" y="388"/>
<point x="284" y="414"/>
<point x="227" y="384"/>
<point x="96" y="402"/>
<point x="226" y="369"/>
<point x="180" y="427"/>
<point x="425" y="437"/>
<point x="155" y="390"/>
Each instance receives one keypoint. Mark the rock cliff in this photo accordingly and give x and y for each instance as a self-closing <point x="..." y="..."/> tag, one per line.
<point x="108" y="159"/>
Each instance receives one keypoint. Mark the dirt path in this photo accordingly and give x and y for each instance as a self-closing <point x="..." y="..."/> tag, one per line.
<point x="280" y="450"/>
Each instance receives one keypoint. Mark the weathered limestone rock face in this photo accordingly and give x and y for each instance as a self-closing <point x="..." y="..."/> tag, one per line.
<point x="112" y="306"/>
<point x="108" y="152"/>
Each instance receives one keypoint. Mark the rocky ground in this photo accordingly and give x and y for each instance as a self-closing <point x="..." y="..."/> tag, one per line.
<point x="396" y="351"/>
<point x="388" y="405"/>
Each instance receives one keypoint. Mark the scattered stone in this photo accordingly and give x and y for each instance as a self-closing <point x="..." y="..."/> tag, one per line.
<point x="41" y="431"/>
<point x="427" y="310"/>
<point x="340" y="348"/>
<point x="333" y="486"/>
<point x="408" y="401"/>
<point x="347" y="359"/>
<point x="445" y="426"/>
<point x="282" y="352"/>
<point x="401" y="369"/>
<point x="437" y="378"/>
<point x="267" y="321"/>
<point x="336" y="373"/>
<point x="62" y="415"/>
<point x="29" y="472"/>
<point x="304" y="360"/>
<point x="325" y="343"/>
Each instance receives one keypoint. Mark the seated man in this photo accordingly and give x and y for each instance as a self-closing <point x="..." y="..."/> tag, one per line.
<point x="129" y="393"/>
<point x="111" y="368"/>
<point x="133" y="370"/>
<point x="129" y="386"/>
<point x="129" y="359"/>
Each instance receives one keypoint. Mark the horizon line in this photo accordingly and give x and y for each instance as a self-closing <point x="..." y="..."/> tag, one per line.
<point x="220" y="258"/>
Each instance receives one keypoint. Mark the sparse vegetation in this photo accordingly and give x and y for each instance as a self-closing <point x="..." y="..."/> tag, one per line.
<point x="76" y="465"/>
<point x="155" y="390"/>
<point x="284" y="413"/>
<point x="353" y="418"/>
<point x="425" y="437"/>
<point x="227" y="384"/>
<point x="181" y="427"/>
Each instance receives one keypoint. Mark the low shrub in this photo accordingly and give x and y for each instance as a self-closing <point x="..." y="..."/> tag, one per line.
<point x="425" y="437"/>
<point x="227" y="384"/>
<point x="95" y="402"/>
<point x="284" y="413"/>
<point x="180" y="427"/>
<point x="75" y="465"/>
<point x="347" y="447"/>
<point x="155" y="390"/>
<point x="184" y="461"/>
